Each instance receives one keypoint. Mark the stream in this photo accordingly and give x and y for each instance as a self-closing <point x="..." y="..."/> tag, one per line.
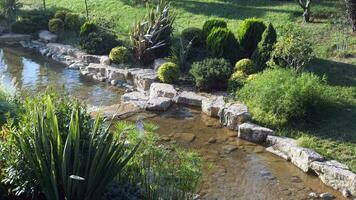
<point x="234" y="169"/>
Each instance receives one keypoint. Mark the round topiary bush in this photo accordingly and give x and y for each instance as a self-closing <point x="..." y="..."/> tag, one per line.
<point x="195" y="35"/>
<point x="245" y="65"/>
<point x="88" y="27"/>
<point x="55" y="25"/>
<point x="61" y="14"/>
<point x="278" y="96"/>
<point x="119" y="54"/>
<point x="211" y="73"/>
<point x="250" y="33"/>
<point x="213" y="23"/>
<point x="237" y="80"/>
<point x="98" y="43"/>
<point x="73" y="22"/>
<point x="168" y="72"/>
<point x="222" y="43"/>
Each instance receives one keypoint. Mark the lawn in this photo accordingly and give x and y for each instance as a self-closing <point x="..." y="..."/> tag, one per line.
<point x="331" y="132"/>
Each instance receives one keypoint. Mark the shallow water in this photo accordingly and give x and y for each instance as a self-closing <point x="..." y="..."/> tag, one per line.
<point x="35" y="73"/>
<point x="248" y="173"/>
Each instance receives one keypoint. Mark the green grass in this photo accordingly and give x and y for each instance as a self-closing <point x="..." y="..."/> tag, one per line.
<point x="331" y="132"/>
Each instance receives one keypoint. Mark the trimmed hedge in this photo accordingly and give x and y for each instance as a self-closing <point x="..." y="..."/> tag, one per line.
<point x="88" y="27"/>
<point x="250" y="33"/>
<point x="55" y="25"/>
<point x="73" y="22"/>
<point x="168" y="73"/>
<point x="195" y="35"/>
<point x="246" y="65"/>
<point x="210" y="24"/>
<point x="98" y="43"/>
<point x="237" y="80"/>
<point x="119" y="54"/>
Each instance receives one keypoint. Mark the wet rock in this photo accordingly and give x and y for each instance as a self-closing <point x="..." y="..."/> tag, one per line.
<point x="296" y="179"/>
<point x="11" y="38"/>
<point x="189" y="99"/>
<point x="335" y="175"/>
<point x="209" y="121"/>
<point x="253" y="133"/>
<point x="105" y="60"/>
<point x="162" y="90"/>
<point x="117" y="111"/>
<point x="158" y="104"/>
<point x="232" y="134"/>
<point x="313" y="195"/>
<point x="212" y="106"/>
<point x="346" y="193"/>
<point x="143" y="79"/>
<point x="212" y="140"/>
<point x="77" y="65"/>
<point x="326" y="196"/>
<point x="229" y="148"/>
<point x="158" y="63"/>
<point x="137" y="98"/>
<point x="233" y="115"/>
<point x="300" y="157"/>
<point x="91" y="58"/>
<point x="278" y="153"/>
<point x="186" y="137"/>
<point x="47" y="36"/>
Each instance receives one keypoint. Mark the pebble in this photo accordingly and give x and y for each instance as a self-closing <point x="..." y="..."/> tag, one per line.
<point x="212" y="140"/>
<point x="313" y="195"/>
<point x="229" y="148"/>
<point x="326" y="196"/>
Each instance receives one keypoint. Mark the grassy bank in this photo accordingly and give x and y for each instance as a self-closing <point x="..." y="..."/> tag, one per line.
<point x="331" y="132"/>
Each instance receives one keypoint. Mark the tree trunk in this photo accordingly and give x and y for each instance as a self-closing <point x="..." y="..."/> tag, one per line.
<point x="44" y="4"/>
<point x="86" y="8"/>
<point x="351" y="10"/>
<point x="305" y="4"/>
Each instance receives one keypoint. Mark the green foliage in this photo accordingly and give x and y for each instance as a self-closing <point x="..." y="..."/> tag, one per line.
<point x="88" y="27"/>
<point x="8" y="105"/>
<point x="9" y="9"/>
<point x="194" y="35"/>
<point x="291" y="51"/>
<point x="73" y="22"/>
<point x="55" y="25"/>
<point x="32" y="21"/>
<point x="61" y="14"/>
<point x="151" y="37"/>
<point x="246" y="65"/>
<point x="163" y="171"/>
<point x="168" y="72"/>
<point x="69" y="164"/>
<point x="210" y="24"/>
<point x="237" y="80"/>
<point x="180" y="54"/>
<point x="98" y="43"/>
<point x="211" y="73"/>
<point x="223" y="44"/>
<point x="279" y="96"/>
<point x="250" y="33"/>
<point x="119" y="54"/>
<point x="262" y="54"/>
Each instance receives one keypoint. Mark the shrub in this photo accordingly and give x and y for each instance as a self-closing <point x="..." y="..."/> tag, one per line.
<point x="211" y="73"/>
<point x="278" y="96"/>
<point x="250" y="33"/>
<point x="98" y="43"/>
<point x="73" y="22"/>
<point x="236" y="81"/>
<point x="209" y="25"/>
<point x="119" y="54"/>
<point x="222" y="43"/>
<point x="61" y="14"/>
<point x="168" y="72"/>
<point x="151" y="37"/>
<point x="32" y="21"/>
<point x="291" y="51"/>
<point x="264" y="48"/>
<point x="246" y="66"/>
<point x="195" y="35"/>
<point x="55" y="25"/>
<point x="88" y="27"/>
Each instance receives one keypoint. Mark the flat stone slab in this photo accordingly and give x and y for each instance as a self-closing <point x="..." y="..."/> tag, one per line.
<point x="335" y="175"/>
<point x="253" y="133"/>
<point x="47" y="36"/>
<point x="12" y="38"/>
<point x="162" y="90"/>
<point x="117" y="111"/>
<point x="233" y="115"/>
<point x="211" y="106"/>
<point x="186" y="137"/>
<point x="189" y="99"/>
<point x="158" y="104"/>
<point x="137" y="98"/>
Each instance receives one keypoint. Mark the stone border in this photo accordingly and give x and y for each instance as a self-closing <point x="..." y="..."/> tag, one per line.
<point x="153" y="96"/>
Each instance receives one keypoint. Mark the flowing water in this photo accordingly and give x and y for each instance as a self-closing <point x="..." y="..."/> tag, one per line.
<point x="249" y="172"/>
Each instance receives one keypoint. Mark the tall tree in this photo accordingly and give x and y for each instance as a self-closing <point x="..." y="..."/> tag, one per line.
<point x="44" y="4"/>
<point x="351" y="10"/>
<point x="305" y="4"/>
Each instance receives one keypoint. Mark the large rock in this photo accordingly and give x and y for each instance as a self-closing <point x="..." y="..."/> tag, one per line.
<point x="137" y="98"/>
<point x="91" y="58"/>
<point x="212" y="106"/>
<point x="300" y="157"/>
<point x="158" y="104"/>
<point x="189" y="99"/>
<point x="12" y="38"/>
<point x="143" y="81"/>
<point x="47" y="36"/>
<point x="186" y="137"/>
<point x="335" y="175"/>
<point x="117" y="111"/>
<point x="162" y="90"/>
<point x="253" y="133"/>
<point x="233" y="115"/>
<point x="158" y="63"/>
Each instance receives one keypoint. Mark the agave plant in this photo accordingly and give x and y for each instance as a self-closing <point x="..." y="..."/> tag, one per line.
<point x="76" y="165"/>
<point x="152" y="33"/>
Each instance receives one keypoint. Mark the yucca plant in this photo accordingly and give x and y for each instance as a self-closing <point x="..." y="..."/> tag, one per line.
<point x="180" y="54"/>
<point x="74" y="164"/>
<point x="152" y="33"/>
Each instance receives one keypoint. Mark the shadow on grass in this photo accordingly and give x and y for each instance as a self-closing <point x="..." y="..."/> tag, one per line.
<point x="238" y="9"/>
